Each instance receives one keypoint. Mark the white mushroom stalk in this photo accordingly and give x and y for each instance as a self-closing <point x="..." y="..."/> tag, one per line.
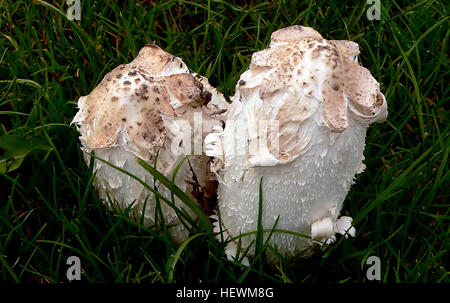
<point x="151" y="107"/>
<point x="298" y="119"/>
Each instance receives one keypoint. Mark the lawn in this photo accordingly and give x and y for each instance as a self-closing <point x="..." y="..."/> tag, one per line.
<point x="48" y="207"/>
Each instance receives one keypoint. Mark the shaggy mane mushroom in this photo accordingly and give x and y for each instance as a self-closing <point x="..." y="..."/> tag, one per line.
<point x="143" y="109"/>
<point x="321" y="102"/>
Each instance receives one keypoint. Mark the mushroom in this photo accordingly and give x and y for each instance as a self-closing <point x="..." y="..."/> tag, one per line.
<point x="298" y="119"/>
<point x="155" y="109"/>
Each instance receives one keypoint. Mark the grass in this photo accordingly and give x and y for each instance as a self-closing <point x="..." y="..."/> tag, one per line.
<point x="49" y="210"/>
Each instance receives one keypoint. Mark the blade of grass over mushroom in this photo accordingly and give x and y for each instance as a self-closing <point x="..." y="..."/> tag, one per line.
<point x="259" y="252"/>
<point x="177" y="192"/>
<point x="160" y="222"/>
<point x="159" y="216"/>
<point x="175" y="173"/>
<point x="183" y="213"/>
<point x="259" y="231"/>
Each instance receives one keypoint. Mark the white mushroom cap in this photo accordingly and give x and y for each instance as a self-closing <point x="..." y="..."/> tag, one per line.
<point x="141" y="109"/>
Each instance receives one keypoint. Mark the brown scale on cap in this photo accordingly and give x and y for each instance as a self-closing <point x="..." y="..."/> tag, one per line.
<point x="187" y="89"/>
<point x="346" y="48"/>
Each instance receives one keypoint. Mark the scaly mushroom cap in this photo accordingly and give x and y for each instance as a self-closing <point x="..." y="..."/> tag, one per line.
<point x="141" y="109"/>
<point x="300" y="62"/>
<point x="301" y="59"/>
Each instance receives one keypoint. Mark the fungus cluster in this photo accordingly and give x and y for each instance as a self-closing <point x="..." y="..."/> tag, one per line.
<point x="297" y="122"/>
